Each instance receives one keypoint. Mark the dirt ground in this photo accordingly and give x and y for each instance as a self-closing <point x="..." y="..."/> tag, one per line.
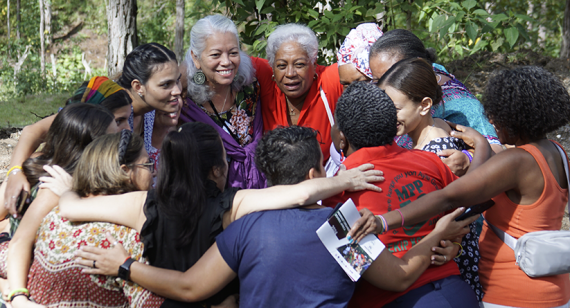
<point x="474" y="71"/>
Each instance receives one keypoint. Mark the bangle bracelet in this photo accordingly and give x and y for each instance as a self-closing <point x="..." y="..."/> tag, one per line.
<point x="19" y="294"/>
<point x="401" y="215"/>
<point x="460" y="251"/>
<point x="384" y="223"/>
<point x="12" y="169"/>
<point x="468" y="155"/>
<point x="381" y="223"/>
<point x="20" y="290"/>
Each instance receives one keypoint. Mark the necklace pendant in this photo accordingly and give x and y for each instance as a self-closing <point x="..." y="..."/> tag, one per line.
<point x="292" y="112"/>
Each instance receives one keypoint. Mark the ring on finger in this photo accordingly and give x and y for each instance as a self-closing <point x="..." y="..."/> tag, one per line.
<point x="14" y="197"/>
<point x="444" y="260"/>
<point x="94" y="264"/>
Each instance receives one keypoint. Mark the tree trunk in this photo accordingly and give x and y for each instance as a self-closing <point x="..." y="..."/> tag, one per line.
<point x="565" y="49"/>
<point x="122" y="26"/>
<point x="47" y="21"/>
<point x="179" y="36"/>
<point x="8" y="17"/>
<point x="18" y="19"/>
<point x="42" y="39"/>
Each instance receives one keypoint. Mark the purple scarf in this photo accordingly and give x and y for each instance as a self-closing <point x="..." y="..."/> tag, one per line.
<point x="242" y="170"/>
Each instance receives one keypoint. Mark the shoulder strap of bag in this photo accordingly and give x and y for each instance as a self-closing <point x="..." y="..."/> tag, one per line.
<point x="565" y="162"/>
<point x="327" y="107"/>
<point x="506" y="238"/>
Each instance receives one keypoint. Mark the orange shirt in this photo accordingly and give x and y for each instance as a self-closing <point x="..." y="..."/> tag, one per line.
<point x="409" y="174"/>
<point x="504" y="283"/>
<point x="313" y="114"/>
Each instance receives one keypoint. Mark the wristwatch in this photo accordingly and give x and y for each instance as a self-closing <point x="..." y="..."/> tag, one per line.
<point x="125" y="269"/>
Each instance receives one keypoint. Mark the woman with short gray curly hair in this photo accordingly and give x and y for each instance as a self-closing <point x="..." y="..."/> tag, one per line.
<point x="223" y="92"/>
<point x="295" y="90"/>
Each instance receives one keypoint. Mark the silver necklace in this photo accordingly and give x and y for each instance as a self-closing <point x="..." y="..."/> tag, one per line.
<point x="225" y="100"/>
<point x="291" y="110"/>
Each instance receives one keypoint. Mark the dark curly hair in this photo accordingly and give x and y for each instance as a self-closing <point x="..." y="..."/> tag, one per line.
<point x="366" y="116"/>
<point x="286" y="154"/>
<point x="526" y="102"/>
<point x="404" y="44"/>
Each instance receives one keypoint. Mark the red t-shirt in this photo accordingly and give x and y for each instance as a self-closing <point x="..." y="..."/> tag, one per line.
<point x="313" y="114"/>
<point x="409" y="174"/>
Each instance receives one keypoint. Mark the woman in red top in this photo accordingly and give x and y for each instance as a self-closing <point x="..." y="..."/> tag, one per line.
<point x="294" y="89"/>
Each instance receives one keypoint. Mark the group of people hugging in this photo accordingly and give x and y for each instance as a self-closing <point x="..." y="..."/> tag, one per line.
<point x="202" y="184"/>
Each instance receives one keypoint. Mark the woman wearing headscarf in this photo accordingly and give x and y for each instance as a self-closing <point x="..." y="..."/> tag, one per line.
<point x="353" y="66"/>
<point x="353" y="54"/>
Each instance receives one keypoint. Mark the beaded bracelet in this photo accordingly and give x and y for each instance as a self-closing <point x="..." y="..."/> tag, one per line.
<point x="468" y="155"/>
<point x="12" y="169"/>
<point x="461" y="251"/>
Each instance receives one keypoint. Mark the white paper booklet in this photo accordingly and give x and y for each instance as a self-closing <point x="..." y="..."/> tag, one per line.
<point x="353" y="258"/>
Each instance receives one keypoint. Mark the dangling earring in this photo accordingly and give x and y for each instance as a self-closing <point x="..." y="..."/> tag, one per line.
<point x="236" y="77"/>
<point x="140" y="94"/>
<point x="316" y="76"/>
<point x="273" y="77"/>
<point x="199" y="77"/>
<point x="342" y="157"/>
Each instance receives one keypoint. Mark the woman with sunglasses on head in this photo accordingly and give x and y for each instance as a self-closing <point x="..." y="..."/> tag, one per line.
<point x="180" y="219"/>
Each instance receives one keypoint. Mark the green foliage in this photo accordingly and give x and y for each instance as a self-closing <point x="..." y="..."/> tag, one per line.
<point x="454" y="28"/>
<point x="25" y="110"/>
<point x="332" y="23"/>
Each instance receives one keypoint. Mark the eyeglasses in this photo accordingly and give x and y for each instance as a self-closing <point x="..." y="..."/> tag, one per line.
<point x="149" y="165"/>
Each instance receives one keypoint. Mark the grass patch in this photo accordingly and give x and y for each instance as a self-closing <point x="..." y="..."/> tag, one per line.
<point x="23" y="111"/>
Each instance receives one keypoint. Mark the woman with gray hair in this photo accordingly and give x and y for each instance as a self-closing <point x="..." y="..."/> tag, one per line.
<point x="223" y="92"/>
<point x="295" y="90"/>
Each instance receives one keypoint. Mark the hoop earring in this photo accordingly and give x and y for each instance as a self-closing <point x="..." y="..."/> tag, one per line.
<point x="316" y="76"/>
<point x="199" y="77"/>
<point x="342" y="157"/>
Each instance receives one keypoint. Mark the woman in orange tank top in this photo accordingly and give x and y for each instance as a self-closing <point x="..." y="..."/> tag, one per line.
<point x="528" y="184"/>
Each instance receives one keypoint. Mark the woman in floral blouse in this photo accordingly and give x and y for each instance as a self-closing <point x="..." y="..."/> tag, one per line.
<point x="224" y="93"/>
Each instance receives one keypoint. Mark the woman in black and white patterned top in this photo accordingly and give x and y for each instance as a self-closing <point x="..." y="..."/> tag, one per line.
<point x="413" y="87"/>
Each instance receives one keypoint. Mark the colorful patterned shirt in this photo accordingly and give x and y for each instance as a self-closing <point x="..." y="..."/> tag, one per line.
<point x="239" y="118"/>
<point x="56" y="281"/>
